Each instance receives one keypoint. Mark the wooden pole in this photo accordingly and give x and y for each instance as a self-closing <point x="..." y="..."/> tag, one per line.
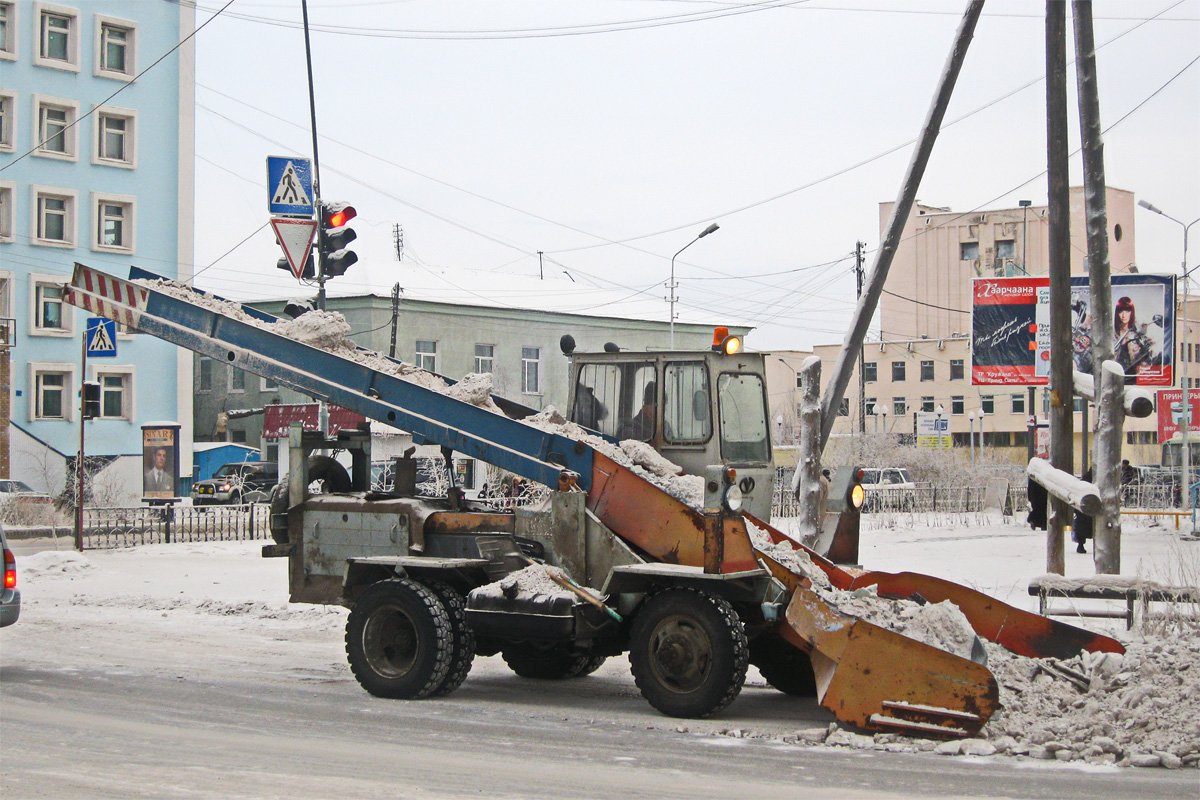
<point x="1059" y="196"/>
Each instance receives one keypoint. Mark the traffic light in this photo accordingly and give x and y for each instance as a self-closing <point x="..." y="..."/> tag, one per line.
<point x="334" y="236"/>
<point x="310" y="267"/>
<point x="91" y="399"/>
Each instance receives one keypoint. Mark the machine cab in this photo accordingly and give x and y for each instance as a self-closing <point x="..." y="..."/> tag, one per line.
<point x="696" y="408"/>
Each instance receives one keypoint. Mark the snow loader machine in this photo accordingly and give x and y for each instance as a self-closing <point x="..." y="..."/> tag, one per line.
<point x="682" y="588"/>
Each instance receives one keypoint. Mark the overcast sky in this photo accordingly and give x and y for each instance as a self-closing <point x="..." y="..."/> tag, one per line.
<point x="608" y="134"/>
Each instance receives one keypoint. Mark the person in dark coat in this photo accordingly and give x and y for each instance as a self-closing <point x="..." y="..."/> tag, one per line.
<point x="1083" y="528"/>
<point x="1037" y="504"/>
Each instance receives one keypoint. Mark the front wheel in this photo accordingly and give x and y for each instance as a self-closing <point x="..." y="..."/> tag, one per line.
<point x="688" y="653"/>
<point x="399" y="640"/>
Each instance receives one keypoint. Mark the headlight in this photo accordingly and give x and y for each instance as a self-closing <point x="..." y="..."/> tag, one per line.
<point x="856" y="496"/>
<point x="733" y="498"/>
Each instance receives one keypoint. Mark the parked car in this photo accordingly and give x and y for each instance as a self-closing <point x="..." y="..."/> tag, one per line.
<point x="888" y="489"/>
<point x="10" y="595"/>
<point x="233" y="484"/>
<point x="21" y="492"/>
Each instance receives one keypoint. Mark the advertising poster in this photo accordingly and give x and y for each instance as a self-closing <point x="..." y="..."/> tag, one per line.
<point x="1004" y="331"/>
<point x="1170" y="412"/>
<point x="933" y="431"/>
<point x="160" y="462"/>
<point x="1011" y="329"/>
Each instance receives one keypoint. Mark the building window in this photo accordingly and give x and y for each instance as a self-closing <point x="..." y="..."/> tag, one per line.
<point x="1018" y="404"/>
<point x="927" y="405"/>
<point x="899" y="407"/>
<point x="926" y="370"/>
<point x="988" y="403"/>
<point x="485" y="358"/>
<point x="956" y="369"/>
<point x="1006" y="248"/>
<point x="799" y="381"/>
<point x="996" y="439"/>
<point x="7" y="211"/>
<point x="8" y="121"/>
<point x="869" y="407"/>
<point x="870" y="372"/>
<point x="115" y="394"/>
<point x="50" y="314"/>
<point x="52" y="391"/>
<point x="844" y="407"/>
<point x="268" y="385"/>
<point x="54" y="217"/>
<point x="116" y="138"/>
<point x="55" y="131"/>
<point x="530" y="378"/>
<point x="897" y="371"/>
<point x="8" y="31"/>
<point x="116" y="51"/>
<point x="427" y="355"/>
<point x="113" y="223"/>
<point x="957" y="405"/>
<point x="969" y="251"/>
<point x="58" y="37"/>
<point x="237" y="380"/>
<point x="204" y="380"/>
<point x="237" y="436"/>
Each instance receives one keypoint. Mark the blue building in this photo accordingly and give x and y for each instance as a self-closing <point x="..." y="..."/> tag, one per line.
<point x="95" y="167"/>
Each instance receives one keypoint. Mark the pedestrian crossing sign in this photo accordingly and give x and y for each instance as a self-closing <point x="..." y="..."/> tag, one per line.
<point x="101" y="338"/>
<point x="289" y="186"/>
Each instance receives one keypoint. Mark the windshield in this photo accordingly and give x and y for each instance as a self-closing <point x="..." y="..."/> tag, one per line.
<point x="14" y="486"/>
<point x="743" y="418"/>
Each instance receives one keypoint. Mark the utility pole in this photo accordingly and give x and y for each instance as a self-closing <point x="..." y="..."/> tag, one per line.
<point x="1062" y="385"/>
<point x="862" y="384"/>
<point x="312" y="112"/>
<point x="541" y="272"/>
<point x="395" y="318"/>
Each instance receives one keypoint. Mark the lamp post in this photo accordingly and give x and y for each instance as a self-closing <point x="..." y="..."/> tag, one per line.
<point x="937" y="424"/>
<point x="971" y="435"/>
<point x="1024" y="204"/>
<point x="883" y="411"/>
<point x="672" y="285"/>
<point x="1185" y="462"/>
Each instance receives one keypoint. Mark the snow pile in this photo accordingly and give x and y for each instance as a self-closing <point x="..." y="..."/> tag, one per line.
<point x="326" y="330"/>
<point x="475" y="389"/>
<point x="1140" y="709"/>
<point x="532" y="580"/>
<point x="54" y="562"/>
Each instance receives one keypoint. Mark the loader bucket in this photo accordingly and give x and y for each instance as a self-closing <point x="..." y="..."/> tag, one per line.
<point x="883" y="681"/>
<point x="1022" y="632"/>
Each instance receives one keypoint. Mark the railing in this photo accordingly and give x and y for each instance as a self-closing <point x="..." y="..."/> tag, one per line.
<point x="124" y="527"/>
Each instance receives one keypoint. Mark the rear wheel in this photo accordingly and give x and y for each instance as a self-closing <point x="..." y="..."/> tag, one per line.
<point x="554" y="661"/>
<point x="785" y="667"/>
<point x="688" y="653"/>
<point x="399" y="640"/>
<point x="463" y="649"/>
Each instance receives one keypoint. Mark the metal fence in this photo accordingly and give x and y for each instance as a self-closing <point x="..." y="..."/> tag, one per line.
<point x="124" y="527"/>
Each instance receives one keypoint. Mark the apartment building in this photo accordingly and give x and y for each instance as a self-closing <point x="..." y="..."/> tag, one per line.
<point x="95" y="167"/>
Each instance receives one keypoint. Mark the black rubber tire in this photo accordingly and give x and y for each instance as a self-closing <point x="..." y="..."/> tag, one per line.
<point x="550" y="662"/>
<point x="594" y="663"/>
<point x="463" y="651"/>
<point x="398" y="640"/>
<point x="278" y="502"/>
<point x="688" y="653"/>
<point x="326" y="468"/>
<point x="785" y="667"/>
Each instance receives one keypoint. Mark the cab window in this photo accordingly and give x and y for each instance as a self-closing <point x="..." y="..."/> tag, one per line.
<point x="610" y="398"/>
<point x="742" y="408"/>
<point x="686" y="403"/>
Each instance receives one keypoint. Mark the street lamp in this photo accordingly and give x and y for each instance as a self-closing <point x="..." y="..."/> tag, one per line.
<point x="884" y="412"/>
<point x="938" y="424"/>
<point x="672" y="285"/>
<point x="1185" y="463"/>
<point x="971" y="435"/>
<point x="1024" y="204"/>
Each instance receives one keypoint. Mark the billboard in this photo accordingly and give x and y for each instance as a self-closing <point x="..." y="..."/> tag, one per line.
<point x="1011" y="329"/>
<point x="1170" y="412"/>
<point x="933" y="431"/>
<point x="277" y="417"/>
<point x="160" y="461"/>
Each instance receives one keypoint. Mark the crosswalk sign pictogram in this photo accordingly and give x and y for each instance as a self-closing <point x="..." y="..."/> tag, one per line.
<point x="289" y="187"/>
<point x="101" y="338"/>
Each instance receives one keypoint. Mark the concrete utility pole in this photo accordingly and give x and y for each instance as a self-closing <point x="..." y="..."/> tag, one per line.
<point x="1059" y="197"/>
<point x="862" y="383"/>
<point x="1110" y="409"/>
<point x="852" y="345"/>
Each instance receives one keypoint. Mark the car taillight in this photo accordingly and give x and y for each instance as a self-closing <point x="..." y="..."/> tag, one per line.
<point x="10" y="570"/>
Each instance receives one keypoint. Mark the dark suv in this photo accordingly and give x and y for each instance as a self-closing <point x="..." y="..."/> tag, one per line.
<point x="233" y="484"/>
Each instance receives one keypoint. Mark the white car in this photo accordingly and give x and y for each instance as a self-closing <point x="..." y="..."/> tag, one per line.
<point x="888" y="489"/>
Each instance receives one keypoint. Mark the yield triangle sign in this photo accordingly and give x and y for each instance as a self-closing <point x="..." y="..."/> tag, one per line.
<point x="295" y="237"/>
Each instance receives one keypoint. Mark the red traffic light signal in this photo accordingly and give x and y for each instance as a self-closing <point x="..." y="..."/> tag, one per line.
<point x="335" y="215"/>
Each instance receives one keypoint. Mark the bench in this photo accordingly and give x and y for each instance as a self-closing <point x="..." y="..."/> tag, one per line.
<point x="1136" y="594"/>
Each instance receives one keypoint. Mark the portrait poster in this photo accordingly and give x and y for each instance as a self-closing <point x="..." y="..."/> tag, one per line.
<point x="160" y="462"/>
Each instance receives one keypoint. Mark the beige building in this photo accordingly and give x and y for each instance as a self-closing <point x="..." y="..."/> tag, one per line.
<point x="923" y="362"/>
